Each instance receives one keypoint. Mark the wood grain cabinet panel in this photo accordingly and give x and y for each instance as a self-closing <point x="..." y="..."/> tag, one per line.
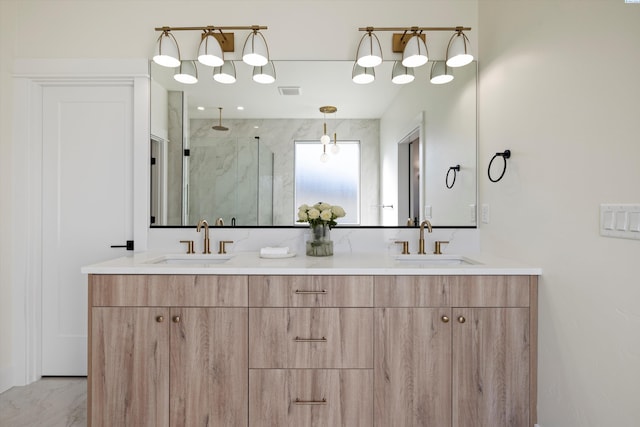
<point x="169" y="290"/>
<point x="412" y="291"/>
<point x="311" y="398"/>
<point x="311" y="338"/>
<point x="311" y="291"/>
<point x="412" y="367"/>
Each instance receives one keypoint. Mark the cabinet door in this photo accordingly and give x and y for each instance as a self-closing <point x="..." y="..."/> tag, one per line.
<point x="491" y="367"/>
<point x="311" y="398"/>
<point x="412" y="367"/>
<point x="209" y="369"/>
<point x="129" y="383"/>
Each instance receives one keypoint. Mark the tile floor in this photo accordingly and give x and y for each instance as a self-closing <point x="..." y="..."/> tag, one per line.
<point x="50" y="402"/>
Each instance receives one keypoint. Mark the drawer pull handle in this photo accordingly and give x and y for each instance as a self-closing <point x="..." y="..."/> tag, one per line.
<point x="300" y="292"/>
<point x="298" y="339"/>
<point x="310" y="402"/>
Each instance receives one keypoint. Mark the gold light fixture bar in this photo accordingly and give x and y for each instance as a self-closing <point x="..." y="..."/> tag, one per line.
<point x="226" y="40"/>
<point x="399" y="41"/>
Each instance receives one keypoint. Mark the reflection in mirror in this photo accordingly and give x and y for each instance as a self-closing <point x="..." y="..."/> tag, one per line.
<point x="246" y="174"/>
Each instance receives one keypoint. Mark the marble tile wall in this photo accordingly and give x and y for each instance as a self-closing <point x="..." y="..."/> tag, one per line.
<point x="213" y="161"/>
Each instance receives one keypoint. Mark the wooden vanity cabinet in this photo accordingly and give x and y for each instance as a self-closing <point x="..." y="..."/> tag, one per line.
<point x="168" y="350"/>
<point x="311" y="351"/>
<point x="455" y="351"/>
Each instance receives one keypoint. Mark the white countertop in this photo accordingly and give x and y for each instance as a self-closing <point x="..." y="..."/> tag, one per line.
<point x="251" y="263"/>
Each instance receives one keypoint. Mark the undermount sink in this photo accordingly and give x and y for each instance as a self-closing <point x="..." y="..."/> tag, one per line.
<point x="435" y="260"/>
<point x="191" y="259"/>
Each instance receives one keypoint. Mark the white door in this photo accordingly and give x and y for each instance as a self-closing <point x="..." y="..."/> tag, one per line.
<point x="87" y="201"/>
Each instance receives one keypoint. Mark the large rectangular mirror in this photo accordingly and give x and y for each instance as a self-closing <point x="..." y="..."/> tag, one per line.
<point x="410" y="137"/>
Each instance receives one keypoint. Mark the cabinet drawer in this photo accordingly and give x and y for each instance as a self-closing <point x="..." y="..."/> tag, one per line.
<point x="310" y="397"/>
<point x="168" y="290"/>
<point x="311" y="338"/>
<point x="490" y="291"/>
<point x="412" y="291"/>
<point x="310" y="291"/>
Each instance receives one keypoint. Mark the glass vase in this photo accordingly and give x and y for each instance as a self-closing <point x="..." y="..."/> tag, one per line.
<point x="320" y="243"/>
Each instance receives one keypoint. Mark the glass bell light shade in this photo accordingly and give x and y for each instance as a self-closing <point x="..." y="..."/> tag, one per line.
<point x="440" y="73"/>
<point x="210" y="51"/>
<point x="255" y="51"/>
<point x="264" y="74"/>
<point x="167" y="52"/>
<point x="187" y="73"/>
<point x="401" y="74"/>
<point x="369" y="51"/>
<point x="362" y="75"/>
<point x="226" y="73"/>
<point x="415" y="52"/>
<point x="335" y="149"/>
<point x="458" y="51"/>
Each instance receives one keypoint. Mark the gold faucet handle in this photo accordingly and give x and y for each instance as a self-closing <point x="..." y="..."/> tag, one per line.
<point x="405" y="246"/>
<point x="189" y="246"/>
<point x="221" y="247"/>
<point x="437" y="250"/>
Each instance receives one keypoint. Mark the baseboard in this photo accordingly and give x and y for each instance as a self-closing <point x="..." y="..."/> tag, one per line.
<point x="6" y="378"/>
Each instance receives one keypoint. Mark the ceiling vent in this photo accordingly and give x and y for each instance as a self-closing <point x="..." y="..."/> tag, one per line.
<point x="289" y="90"/>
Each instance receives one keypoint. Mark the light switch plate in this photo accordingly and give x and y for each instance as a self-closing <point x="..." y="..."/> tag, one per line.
<point x="620" y="221"/>
<point x="484" y="214"/>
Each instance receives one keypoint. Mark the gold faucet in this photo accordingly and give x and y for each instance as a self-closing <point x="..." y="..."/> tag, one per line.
<point x="421" y="241"/>
<point x="203" y="222"/>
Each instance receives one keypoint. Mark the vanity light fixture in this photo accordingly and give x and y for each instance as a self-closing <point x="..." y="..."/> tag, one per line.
<point x="369" y="52"/>
<point x="226" y="73"/>
<point x="362" y="75"/>
<point x="255" y="51"/>
<point x="402" y="74"/>
<point x="440" y="73"/>
<point x="210" y="50"/>
<point x="187" y="73"/>
<point x="167" y="52"/>
<point x="411" y="42"/>
<point x="415" y="52"/>
<point x="265" y="74"/>
<point x="458" y="51"/>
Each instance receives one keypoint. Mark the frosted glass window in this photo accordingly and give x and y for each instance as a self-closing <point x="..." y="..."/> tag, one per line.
<point x="336" y="181"/>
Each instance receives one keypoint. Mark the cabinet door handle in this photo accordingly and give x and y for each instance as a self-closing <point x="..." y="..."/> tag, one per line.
<point x="176" y="319"/>
<point x="302" y="292"/>
<point x="310" y="402"/>
<point x="160" y="319"/>
<point x="445" y="319"/>
<point x="461" y="319"/>
<point x="298" y="339"/>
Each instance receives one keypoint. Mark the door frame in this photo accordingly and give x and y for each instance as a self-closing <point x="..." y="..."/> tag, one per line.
<point x="30" y="76"/>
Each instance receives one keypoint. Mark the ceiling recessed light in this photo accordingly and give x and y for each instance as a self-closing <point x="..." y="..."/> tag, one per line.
<point x="240" y="107"/>
<point x="201" y="108"/>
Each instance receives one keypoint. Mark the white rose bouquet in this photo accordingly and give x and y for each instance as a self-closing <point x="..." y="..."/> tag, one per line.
<point x="320" y="213"/>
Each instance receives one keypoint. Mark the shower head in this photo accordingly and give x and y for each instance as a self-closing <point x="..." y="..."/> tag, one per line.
<point x="219" y="125"/>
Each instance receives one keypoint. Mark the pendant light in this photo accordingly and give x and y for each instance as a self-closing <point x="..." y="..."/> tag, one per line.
<point x="210" y="51"/>
<point x="226" y="73"/>
<point x="401" y="75"/>
<point x="187" y="73"/>
<point x="219" y="125"/>
<point x="415" y="52"/>
<point x="440" y="73"/>
<point x="362" y="75"/>
<point x="458" y="50"/>
<point x="167" y="52"/>
<point x="325" y="138"/>
<point x="255" y="51"/>
<point x="369" y="51"/>
<point x="264" y="74"/>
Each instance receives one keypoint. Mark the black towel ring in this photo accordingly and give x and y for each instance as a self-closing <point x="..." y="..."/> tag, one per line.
<point x="505" y="155"/>
<point x="455" y="169"/>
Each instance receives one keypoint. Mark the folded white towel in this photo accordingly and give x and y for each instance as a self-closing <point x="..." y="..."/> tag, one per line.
<point x="274" y="251"/>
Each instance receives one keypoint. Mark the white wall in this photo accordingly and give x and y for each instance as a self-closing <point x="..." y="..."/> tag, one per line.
<point x="559" y="86"/>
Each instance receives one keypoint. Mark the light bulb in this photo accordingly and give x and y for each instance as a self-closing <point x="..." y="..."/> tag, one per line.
<point x="335" y="149"/>
<point x="324" y="157"/>
<point x="325" y="139"/>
